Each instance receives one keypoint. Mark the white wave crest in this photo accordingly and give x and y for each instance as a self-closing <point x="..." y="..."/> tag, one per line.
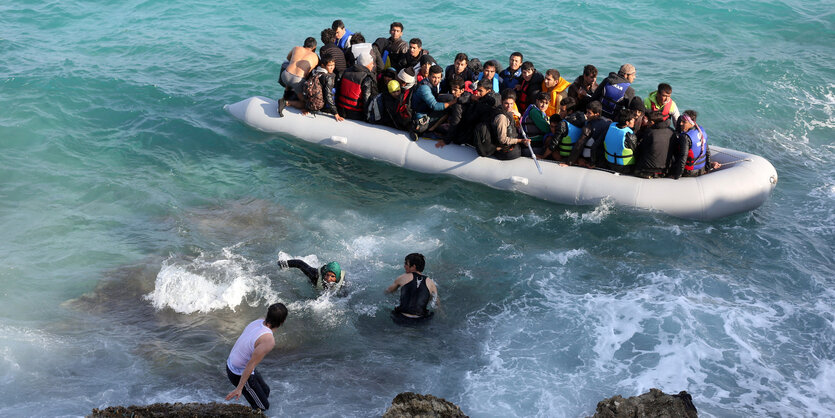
<point x="203" y="285"/>
<point x="600" y="212"/>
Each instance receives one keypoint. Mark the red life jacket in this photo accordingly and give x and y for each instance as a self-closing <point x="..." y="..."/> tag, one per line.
<point x="350" y="90"/>
<point x="667" y="107"/>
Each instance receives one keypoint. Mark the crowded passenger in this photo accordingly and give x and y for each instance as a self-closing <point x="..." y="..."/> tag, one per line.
<point x="655" y="146"/>
<point x="661" y="99"/>
<point x="357" y="87"/>
<point x="588" y="149"/>
<point x="530" y="84"/>
<point x="615" y="92"/>
<point x="583" y="87"/>
<point x="459" y="68"/>
<point x="302" y="60"/>
<point x="343" y="36"/>
<point x="620" y="142"/>
<point x="412" y="58"/>
<point x="395" y="47"/>
<point x="557" y="89"/>
<point x="488" y="72"/>
<point x="426" y="62"/>
<point x="329" y="47"/>
<point x="512" y="75"/>
<point x="692" y="155"/>
<point x="425" y="105"/>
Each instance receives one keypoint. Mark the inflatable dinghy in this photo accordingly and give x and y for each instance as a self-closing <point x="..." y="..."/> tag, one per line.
<point x="744" y="182"/>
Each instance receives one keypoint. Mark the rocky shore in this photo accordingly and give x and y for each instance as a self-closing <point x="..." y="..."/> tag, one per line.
<point x="653" y="404"/>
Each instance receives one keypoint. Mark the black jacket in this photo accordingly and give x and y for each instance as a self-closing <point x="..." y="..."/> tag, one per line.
<point x="338" y="57"/>
<point x="365" y="78"/>
<point x="655" y="150"/>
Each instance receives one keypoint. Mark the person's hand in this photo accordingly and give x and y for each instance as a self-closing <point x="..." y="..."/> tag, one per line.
<point x="523" y="141"/>
<point x="440" y="144"/>
<point x="715" y="165"/>
<point x="338" y="118"/>
<point x="234" y="394"/>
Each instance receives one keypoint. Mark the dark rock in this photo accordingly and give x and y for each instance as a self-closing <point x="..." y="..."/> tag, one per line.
<point x="412" y="405"/>
<point x="653" y="404"/>
<point x="190" y="410"/>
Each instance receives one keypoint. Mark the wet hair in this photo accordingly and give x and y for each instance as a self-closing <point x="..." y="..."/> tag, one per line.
<point x="310" y="42"/>
<point x="417" y="42"/>
<point x="570" y="103"/>
<point x="490" y="63"/>
<point x="517" y="54"/>
<point x="555" y="118"/>
<point x="543" y="96"/>
<point x="328" y="36"/>
<point x="692" y="114"/>
<point x="553" y="72"/>
<point x="455" y="82"/>
<point x="337" y="24"/>
<point x="527" y="65"/>
<point x="396" y="25"/>
<point x="665" y="88"/>
<point x="590" y="70"/>
<point x="485" y="84"/>
<point x="508" y="94"/>
<point x="357" y="38"/>
<point x="435" y="69"/>
<point x="416" y="260"/>
<point x="626" y="115"/>
<point x="655" y="116"/>
<point x="595" y="107"/>
<point x="276" y="314"/>
<point x="461" y="57"/>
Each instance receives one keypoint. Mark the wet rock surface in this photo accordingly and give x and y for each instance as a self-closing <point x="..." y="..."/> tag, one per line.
<point x="653" y="404"/>
<point x="413" y="405"/>
<point x="190" y="410"/>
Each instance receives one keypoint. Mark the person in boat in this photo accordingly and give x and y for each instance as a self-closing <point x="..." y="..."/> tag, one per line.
<point x="637" y="104"/>
<point x="425" y="63"/>
<point x="560" y="145"/>
<point x="655" y="147"/>
<point x="583" y="87"/>
<point x="455" y="113"/>
<point x="428" y="110"/>
<point x="406" y="77"/>
<point x="351" y="53"/>
<point x="615" y="92"/>
<point x="557" y="88"/>
<point x="488" y="72"/>
<point x="343" y="36"/>
<point x="534" y="121"/>
<point x="529" y="86"/>
<point x="302" y="60"/>
<point x="383" y="109"/>
<point x="356" y="88"/>
<point x="329" y="47"/>
<point x="461" y="69"/>
<point x="509" y="106"/>
<point x="323" y="75"/>
<point x="691" y="152"/>
<point x="395" y="47"/>
<point x="494" y="134"/>
<point x="416" y="291"/>
<point x="412" y="57"/>
<point x="661" y="99"/>
<point x="512" y="75"/>
<point x="328" y="277"/>
<point x="620" y="143"/>
<point x="588" y="149"/>
<point x="254" y="343"/>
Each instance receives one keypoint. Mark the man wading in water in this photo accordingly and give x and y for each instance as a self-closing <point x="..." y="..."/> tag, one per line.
<point x="416" y="290"/>
<point x="254" y="343"/>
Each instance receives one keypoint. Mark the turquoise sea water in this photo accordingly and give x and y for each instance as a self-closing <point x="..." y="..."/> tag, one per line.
<point x="140" y="224"/>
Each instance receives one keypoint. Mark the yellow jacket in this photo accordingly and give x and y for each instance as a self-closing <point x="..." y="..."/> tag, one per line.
<point x="558" y="92"/>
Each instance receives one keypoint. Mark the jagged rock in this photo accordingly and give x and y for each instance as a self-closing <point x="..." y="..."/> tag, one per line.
<point x="412" y="405"/>
<point x="186" y="410"/>
<point x="653" y="404"/>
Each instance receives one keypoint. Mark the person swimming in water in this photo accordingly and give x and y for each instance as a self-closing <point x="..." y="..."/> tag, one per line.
<point x="328" y="277"/>
<point x="416" y="291"/>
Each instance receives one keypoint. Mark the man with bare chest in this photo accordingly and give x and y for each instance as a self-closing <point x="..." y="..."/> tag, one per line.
<point x="303" y="59"/>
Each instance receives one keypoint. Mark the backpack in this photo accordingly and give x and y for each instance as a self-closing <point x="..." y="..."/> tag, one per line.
<point x="314" y="98"/>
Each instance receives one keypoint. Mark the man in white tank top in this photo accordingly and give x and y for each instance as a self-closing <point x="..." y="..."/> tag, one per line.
<point x="254" y="343"/>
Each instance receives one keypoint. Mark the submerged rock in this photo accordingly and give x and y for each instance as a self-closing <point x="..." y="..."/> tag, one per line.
<point x="653" y="404"/>
<point x="412" y="405"/>
<point x="190" y="410"/>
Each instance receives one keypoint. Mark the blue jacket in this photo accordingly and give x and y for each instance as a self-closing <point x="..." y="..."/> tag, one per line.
<point x="424" y="102"/>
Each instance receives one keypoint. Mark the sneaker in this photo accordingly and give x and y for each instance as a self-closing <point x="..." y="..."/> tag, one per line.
<point x="413" y="135"/>
<point x="281" y="105"/>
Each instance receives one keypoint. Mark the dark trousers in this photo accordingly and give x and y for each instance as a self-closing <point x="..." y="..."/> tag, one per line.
<point x="255" y="390"/>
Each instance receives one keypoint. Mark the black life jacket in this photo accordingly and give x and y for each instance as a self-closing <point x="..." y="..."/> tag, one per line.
<point x="414" y="296"/>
